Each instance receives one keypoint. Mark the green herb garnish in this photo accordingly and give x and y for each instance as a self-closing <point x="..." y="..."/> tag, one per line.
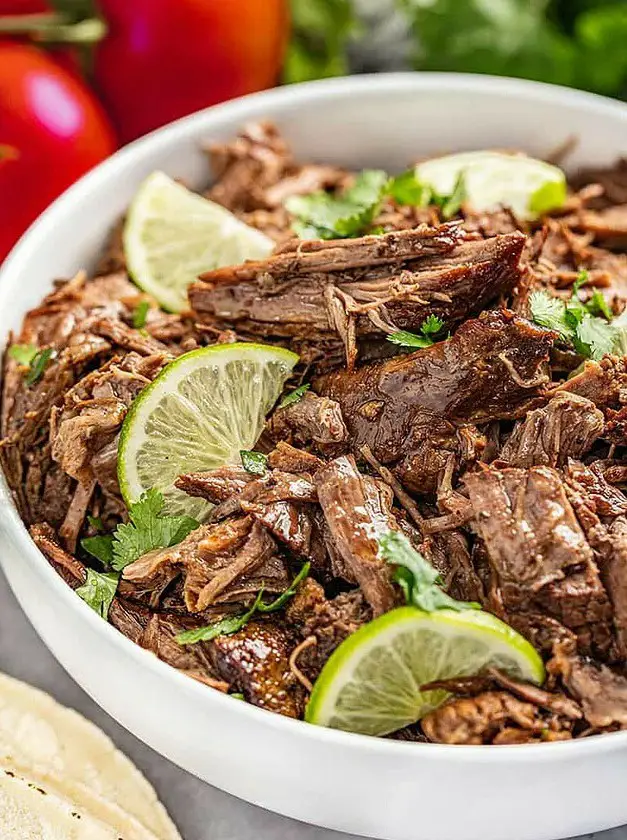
<point x="23" y="353"/>
<point x="99" y="590"/>
<point x="148" y="529"/>
<point x="450" y="205"/>
<point x="430" y="327"/>
<point x="420" y="582"/>
<point x="231" y="624"/>
<point x="140" y="313"/>
<point x="100" y="547"/>
<point x="254" y="462"/>
<point x="294" y="396"/>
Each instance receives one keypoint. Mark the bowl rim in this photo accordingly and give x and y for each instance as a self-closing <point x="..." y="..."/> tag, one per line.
<point x="165" y="137"/>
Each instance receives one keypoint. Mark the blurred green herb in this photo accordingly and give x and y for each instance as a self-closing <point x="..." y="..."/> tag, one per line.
<point x="99" y="590"/>
<point x="430" y="327"/>
<point x="294" y="396"/>
<point x="140" y="313"/>
<point x="321" y="30"/>
<point x="255" y="463"/>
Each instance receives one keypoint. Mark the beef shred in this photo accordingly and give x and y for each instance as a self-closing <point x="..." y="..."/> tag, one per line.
<point x="488" y="441"/>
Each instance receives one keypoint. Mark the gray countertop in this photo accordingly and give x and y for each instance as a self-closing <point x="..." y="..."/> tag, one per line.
<point x="200" y="811"/>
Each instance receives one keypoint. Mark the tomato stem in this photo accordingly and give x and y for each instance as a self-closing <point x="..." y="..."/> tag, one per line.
<point x="54" y="28"/>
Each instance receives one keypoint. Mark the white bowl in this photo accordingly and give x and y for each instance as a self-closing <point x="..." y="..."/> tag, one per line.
<point x="379" y="788"/>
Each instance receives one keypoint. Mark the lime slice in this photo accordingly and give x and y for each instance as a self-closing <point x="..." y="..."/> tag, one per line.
<point x="171" y="235"/>
<point x="198" y="414"/>
<point x="528" y="186"/>
<point x="371" y="683"/>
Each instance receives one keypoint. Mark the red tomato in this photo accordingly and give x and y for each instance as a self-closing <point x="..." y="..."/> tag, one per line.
<point x="23" y="7"/>
<point x="163" y="59"/>
<point x="52" y="130"/>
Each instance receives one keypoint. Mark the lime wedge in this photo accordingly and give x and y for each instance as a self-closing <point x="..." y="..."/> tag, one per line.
<point x="371" y="683"/>
<point x="171" y="235"/>
<point x="198" y="414"/>
<point x="530" y="187"/>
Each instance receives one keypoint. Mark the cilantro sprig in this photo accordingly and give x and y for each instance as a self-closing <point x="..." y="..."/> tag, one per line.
<point x="323" y="215"/>
<point x="232" y="623"/>
<point x="255" y="463"/>
<point x="428" y="329"/>
<point x="589" y="326"/>
<point x="99" y="590"/>
<point x="294" y="396"/>
<point x="420" y="582"/>
<point x="147" y="529"/>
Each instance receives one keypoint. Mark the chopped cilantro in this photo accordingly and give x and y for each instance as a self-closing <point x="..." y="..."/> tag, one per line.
<point x="148" y="529"/>
<point x="233" y="623"/>
<point x="254" y="462"/>
<point x="597" y="305"/>
<point x="23" y="353"/>
<point x="295" y="395"/>
<point x="591" y="336"/>
<point x="321" y="215"/>
<point x="99" y="590"/>
<point x="96" y="522"/>
<point x="140" y="313"/>
<point x="450" y="205"/>
<point x="420" y="582"/>
<point x="430" y="327"/>
<point x="407" y="190"/>
<point x="100" y="547"/>
<point x="38" y="365"/>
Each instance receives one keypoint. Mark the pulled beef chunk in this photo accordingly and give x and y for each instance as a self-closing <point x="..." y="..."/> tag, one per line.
<point x="362" y="287"/>
<point x="255" y="661"/>
<point x="412" y="409"/>
<point x="93" y="411"/>
<point x="539" y="555"/>
<point x="312" y="421"/>
<point x="282" y="502"/>
<point x="566" y="427"/>
<point x="357" y="513"/>
<point x="287" y="458"/>
<point x="601" y="691"/>
<point x="448" y="552"/>
<point x="492" y="717"/>
<point x="223" y="563"/>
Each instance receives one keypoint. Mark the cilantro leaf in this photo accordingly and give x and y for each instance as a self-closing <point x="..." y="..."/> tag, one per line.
<point x="595" y="337"/>
<point x="294" y="396"/>
<point x="100" y="547"/>
<point x="550" y="312"/>
<point x="23" y="353"/>
<point x="321" y="215"/>
<point x="430" y="326"/>
<point x="233" y="623"/>
<point x="597" y="305"/>
<point x="420" y="582"/>
<point x="38" y="365"/>
<point x="408" y="339"/>
<point x="321" y="31"/>
<point x="99" y="590"/>
<point x="450" y="205"/>
<point x="407" y="190"/>
<point x="254" y="462"/>
<point x="148" y="529"/>
<point x="96" y="522"/>
<point x="140" y="314"/>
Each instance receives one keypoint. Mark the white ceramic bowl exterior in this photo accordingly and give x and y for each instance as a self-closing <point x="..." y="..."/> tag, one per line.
<point x="379" y="788"/>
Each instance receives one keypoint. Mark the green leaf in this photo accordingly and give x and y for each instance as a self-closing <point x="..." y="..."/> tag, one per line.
<point x="96" y="522"/>
<point x="140" y="313"/>
<point x="231" y="624"/>
<point x="597" y="305"/>
<point x="23" y="353"/>
<point x="409" y="339"/>
<point x="148" y="530"/>
<point x="595" y="337"/>
<point x="100" y="547"/>
<point x="38" y="365"/>
<point x="99" y="590"/>
<point x="294" y="396"/>
<point x="451" y="205"/>
<point x="407" y="190"/>
<point x="321" y="215"/>
<point x="254" y="462"/>
<point x="550" y="312"/>
<point x="432" y="325"/>
<point x="420" y="582"/>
